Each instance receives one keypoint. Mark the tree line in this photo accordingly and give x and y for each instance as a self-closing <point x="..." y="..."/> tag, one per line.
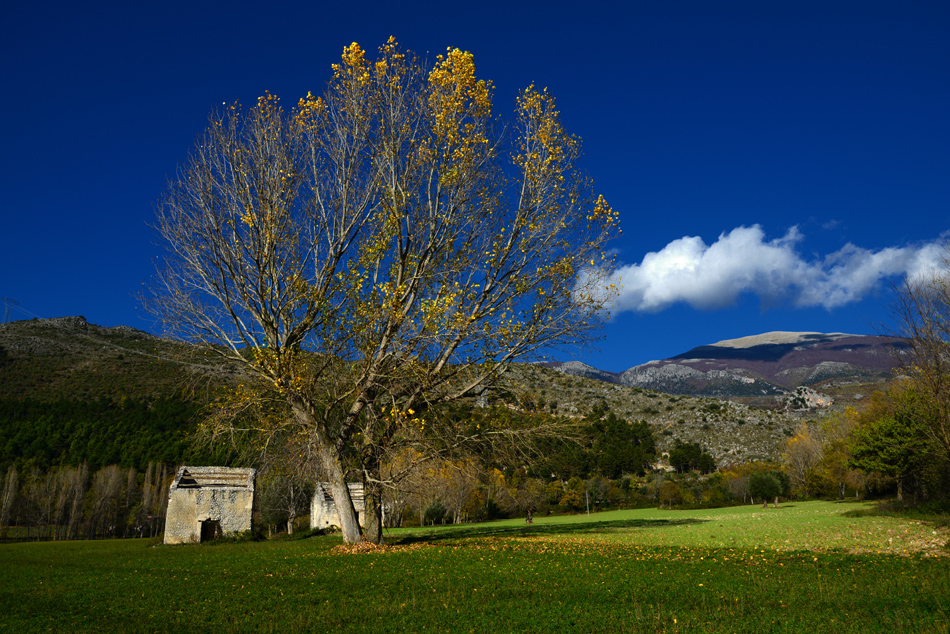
<point x="462" y="491"/>
<point x="77" y="503"/>
<point x="880" y="450"/>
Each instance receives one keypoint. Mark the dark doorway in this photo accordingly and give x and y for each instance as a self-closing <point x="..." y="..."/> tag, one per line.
<point x="210" y="530"/>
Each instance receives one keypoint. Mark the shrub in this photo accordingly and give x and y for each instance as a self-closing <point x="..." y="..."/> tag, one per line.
<point x="670" y="494"/>
<point x="435" y="513"/>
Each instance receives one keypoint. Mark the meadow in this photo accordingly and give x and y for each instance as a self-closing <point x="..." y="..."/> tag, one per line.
<point x="810" y="566"/>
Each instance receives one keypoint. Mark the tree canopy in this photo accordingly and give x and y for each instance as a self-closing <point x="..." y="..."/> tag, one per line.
<point x="687" y="456"/>
<point x="769" y="484"/>
<point x="891" y="439"/>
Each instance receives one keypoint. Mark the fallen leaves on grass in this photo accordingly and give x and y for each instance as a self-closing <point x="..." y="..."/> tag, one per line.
<point x="375" y="549"/>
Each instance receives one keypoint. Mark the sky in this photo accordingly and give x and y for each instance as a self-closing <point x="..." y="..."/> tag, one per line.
<point x="776" y="165"/>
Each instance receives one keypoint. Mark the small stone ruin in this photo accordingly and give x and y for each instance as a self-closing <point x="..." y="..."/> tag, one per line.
<point x="205" y="503"/>
<point x="323" y="511"/>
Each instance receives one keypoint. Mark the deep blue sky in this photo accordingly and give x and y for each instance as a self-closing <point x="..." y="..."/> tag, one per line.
<point x="745" y="144"/>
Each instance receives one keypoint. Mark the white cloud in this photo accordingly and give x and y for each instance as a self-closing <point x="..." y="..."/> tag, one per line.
<point x="742" y="261"/>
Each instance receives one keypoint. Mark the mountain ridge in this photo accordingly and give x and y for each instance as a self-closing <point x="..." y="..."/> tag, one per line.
<point x="770" y="363"/>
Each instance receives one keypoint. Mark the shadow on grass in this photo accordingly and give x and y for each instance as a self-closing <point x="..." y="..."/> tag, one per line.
<point x="936" y="514"/>
<point x="578" y="528"/>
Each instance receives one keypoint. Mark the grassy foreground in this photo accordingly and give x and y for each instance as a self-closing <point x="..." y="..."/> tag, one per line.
<point x="724" y="570"/>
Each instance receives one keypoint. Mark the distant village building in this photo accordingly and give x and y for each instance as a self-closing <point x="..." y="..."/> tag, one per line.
<point x="323" y="511"/>
<point x="207" y="502"/>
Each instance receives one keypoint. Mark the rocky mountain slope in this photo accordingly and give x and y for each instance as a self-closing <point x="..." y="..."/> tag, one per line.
<point x="774" y="363"/>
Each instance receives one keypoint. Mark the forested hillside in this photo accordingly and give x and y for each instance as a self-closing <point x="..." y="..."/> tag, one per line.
<point x="72" y="392"/>
<point x="100" y="432"/>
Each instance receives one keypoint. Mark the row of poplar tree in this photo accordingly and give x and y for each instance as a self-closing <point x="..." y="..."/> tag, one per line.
<point x="69" y="502"/>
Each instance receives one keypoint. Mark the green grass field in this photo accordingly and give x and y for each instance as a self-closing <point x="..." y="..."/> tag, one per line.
<point x="804" y="567"/>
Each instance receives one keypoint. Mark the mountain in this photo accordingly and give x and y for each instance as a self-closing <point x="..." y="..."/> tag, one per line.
<point x="67" y="357"/>
<point x="773" y="363"/>
<point x="104" y="392"/>
<point x="578" y="368"/>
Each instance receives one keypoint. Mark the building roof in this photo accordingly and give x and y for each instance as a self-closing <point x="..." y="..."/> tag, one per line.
<point x="214" y="478"/>
<point x="356" y="493"/>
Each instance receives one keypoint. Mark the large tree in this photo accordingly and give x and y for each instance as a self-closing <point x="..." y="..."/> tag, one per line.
<point x="620" y="447"/>
<point x="379" y="250"/>
<point x="802" y="452"/>
<point x="891" y="437"/>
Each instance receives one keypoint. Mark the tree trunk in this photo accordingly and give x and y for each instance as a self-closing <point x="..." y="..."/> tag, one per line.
<point x="372" y="496"/>
<point x="373" y="512"/>
<point x="292" y="510"/>
<point x="349" y="520"/>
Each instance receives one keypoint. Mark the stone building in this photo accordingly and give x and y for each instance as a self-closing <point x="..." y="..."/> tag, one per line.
<point x="323" y="511"/>
<point x="207" y="502"/>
